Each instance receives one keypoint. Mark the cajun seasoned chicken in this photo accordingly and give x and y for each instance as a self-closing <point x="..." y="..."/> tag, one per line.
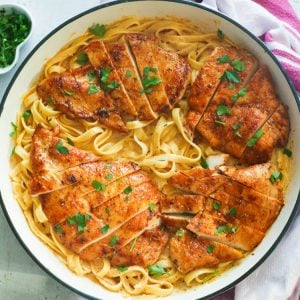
<point x="96" y="207"/>
<point x="235" y="210"/>
<point x="190" y="252"/>
<point x="122" y="81"/>
<point x="237" y="111"/>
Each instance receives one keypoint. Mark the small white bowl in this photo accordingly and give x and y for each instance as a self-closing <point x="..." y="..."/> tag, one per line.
<point x="20" y="9"/>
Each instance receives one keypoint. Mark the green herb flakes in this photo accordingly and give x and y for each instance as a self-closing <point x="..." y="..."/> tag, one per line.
<point x="226" y="228"/>
<point x="156" y="270"/>
<point x="104" y="229"/>
<point x="238" y="65"/>
<point x="13" y="133"/>
<point x="232" y="212"/>
<point x="104" y="74"/>
<point x="109" y="176"/>
<point x="98" y="30"/>
<point x="107" y="210"/>
<point x="107" y="166"/>
<point x="152" y="207"/>
<point x="179" y="232"/>
<point x="79" y="220"/>
<point x="82" y="58"/>
<point x="98" y="186"/>
<point x="216" y="206"/>
<point x="219" y="122"/>
<point x="231" y="76"/>
<point x="203" y="162"/>
<point x="122" y="268"/>
<point x="70" y="142"/>
<point x="113" y="85"/>
<point x="241" y="93"/>
<point x="61" y="148"/>
<point x="223" y="110"/>
<point x="210" y="248"/>
<point x="220" y="34"/>
<point x="128" y="74"/>
<point x="127" y="190"/>
<point x="275" y="176"/>
<point x="287" y="152"/>
<point x="68" y="93"/>
<point x="114" y="241"/>
<point x="224" y="59"/>
<point x="58" y="229"/>
<point x="92" y="89"/>
<point x="252" y="141"/>
<point x="26" y="114"/>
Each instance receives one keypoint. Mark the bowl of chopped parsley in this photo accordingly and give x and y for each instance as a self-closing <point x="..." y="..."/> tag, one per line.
<point x="15" y="30"/>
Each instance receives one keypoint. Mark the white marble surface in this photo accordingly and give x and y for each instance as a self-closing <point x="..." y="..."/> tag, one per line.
<point x="20" y="277"/>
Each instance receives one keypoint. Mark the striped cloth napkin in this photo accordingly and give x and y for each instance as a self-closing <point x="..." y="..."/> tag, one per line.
<point x="276" y="23"/>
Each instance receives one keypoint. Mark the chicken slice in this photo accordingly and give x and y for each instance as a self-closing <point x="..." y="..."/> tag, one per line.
<point x="182" y="204"/>
<point x="121" y="237"/>
<point x="142" y="47"/>
<point x="175" y="222"/>
<point x="188" y="181"/>
<point x="86" y="174"/>
<point x="128" y="204"/>
<point x="47" y="152"/>
<point x="250" y="213"/>
<point x="190" y="252"/>
<point x="207" y="82"/>
<point x="216" y="228"/>
<point x="143" y="250"/>
<point x="109" y="79"/>
<point x="99" y="105"/>
<point x="125" y="66"/>
<point x="175" y="72"/>
<point x="256" y="177"/>
<point x="275" y="135"/>
<point x="259" y="102"/>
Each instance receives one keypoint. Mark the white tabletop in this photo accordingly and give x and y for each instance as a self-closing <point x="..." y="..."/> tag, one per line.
<point x="20" y="277"/>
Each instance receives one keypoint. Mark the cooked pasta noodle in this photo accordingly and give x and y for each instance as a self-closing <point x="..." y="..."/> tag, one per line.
<point x="161" y="147"/>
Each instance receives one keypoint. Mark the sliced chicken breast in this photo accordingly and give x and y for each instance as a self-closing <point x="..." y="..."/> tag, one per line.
<point x="143" y="250"/>
<point x="142" y="46"/>
<point x="190" y="252"/>
<point x="125" y="66"/>
<point x="109" y="79"/>
<point x="175" y="221"/>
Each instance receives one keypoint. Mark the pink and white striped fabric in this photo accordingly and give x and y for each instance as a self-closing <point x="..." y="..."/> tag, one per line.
<point x="274" y="21"/>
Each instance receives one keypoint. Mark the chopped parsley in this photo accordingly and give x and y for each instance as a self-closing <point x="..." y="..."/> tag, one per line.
<point x="14" y="28"/>
<point x="152" y="207"/>
<point x="50" y="101"/>
<point x="275" y="176"/>
<point x="128" y="74"/>
<point x="92" y="89"/>
<point x="226" y="228"/>
<point x="107" y="210"/>
<point x="109" y="176"/>
<point x="223" y="110"/>
<point x="114" y="241"/>
<point x="216" y="206"/>
<point x="238" y="65"/>
<point x="231" y="86"/>
<point x="79" y="220"/>
<point x="98" y="186"/>
<point x="58" y="229"/>
<point x="98" y="30"/>
<point x="113" y="85"/>
<point x="179" y="232"/>
<point x="219" y="122"/>
<point x="203" y="162"/>
<point x="104" y="74"/>
<point x="287" y="152"/>
<point x="82" y="58"/>
<point x="26" y="114"/>
<point x="224" y="59"/>
<point x="231" y="76"/>
<point x="13" y="133"/>
<point x="220" y="34"/>
<point x="241" y="93"/>
<point x="149" y="81"/>
<point x="91" y="75"/>
<point x="104" y="84"/>
<point x="232" y="212"/>
<point x="122" y="268"/>
<point x="68" y="93"/>
<point x="252" y="141"/>
<point x="210" y="248"/>
<point x="61" y="148"/>
<point x="107" y="166"/>
<point x="156" y="270"/>
<point x="104" y="229"/>
<point x="70" y="142"/>
<point x="236" y="128"/>
<point x="127" y="190"/>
